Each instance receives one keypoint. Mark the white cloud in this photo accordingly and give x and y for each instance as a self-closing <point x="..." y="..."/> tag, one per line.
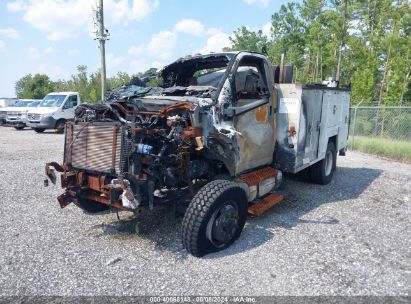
<point x="121" y="10"/>
<point x="216" y="43"/>
<point x="66" y="18"/>
<point x="48" y="50"/>
<point x="136" y="50"/>
<point x="157" y="64"/>
<point x="10" y="33"/>
<point x="142" y="65"/>
<point x="261" y="2"/>
<point x="33" y="52"/>
<point x="16" y="6"/>
<point x="190" y="26"/>
<point x="54" y="71"/>
<point x="73" y="52"/>
<point x="267" y="29"/>
<point x="162" y="45"/>
<point x="138" y="65"/>
<point x="113" y="61"/>
<point x="2" y="45"/>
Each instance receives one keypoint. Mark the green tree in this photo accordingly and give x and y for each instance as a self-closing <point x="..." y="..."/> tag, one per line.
<point x="246" y="40"/>
<point x="36" y="86"/>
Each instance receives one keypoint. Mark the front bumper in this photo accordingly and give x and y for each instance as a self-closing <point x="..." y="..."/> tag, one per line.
<point x="44" y="123"/>
<point x="15" y="123"/>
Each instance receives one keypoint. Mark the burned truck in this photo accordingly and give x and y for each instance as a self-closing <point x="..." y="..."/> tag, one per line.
<point x="215" y="137"/>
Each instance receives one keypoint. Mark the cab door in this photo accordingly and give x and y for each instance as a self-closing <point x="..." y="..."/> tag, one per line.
<point x="67" y="111"/>
<point x="253" y="113"/>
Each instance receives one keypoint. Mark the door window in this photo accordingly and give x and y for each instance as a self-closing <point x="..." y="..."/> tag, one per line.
<point x="250" y="81"/>
<point x="71" y="102"/>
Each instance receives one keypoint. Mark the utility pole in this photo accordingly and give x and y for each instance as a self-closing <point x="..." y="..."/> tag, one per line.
<point x="102" y="35"/>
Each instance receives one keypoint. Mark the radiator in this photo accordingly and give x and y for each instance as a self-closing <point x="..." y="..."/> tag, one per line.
<point x="94" y="146"/>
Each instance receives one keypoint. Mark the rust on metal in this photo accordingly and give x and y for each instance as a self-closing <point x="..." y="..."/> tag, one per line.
<point x="94" y="182"/>
<point x="259" y="207"/>
<point x="66" y="198"/>
<point x="178" y="106"/>
<point x="261" y="115"/>
<point x="256" y="177"/>
<point x="191" y="132"/>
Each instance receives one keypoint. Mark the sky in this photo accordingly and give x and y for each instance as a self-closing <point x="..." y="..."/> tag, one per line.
<point x="55" y="36"/>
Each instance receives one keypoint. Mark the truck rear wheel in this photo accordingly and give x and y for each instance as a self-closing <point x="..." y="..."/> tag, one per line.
<point x="322" y="172"/>
<point x="39" y="130"/>
<point x="214" y="218"/>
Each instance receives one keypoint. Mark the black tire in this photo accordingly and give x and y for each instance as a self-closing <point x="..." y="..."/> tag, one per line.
<point x="19" y="128"/>
<point x="214" y="218"/>
<point x="60" y="125"/>
<point x="39" y="130"/>
<point x="322" y="172"/>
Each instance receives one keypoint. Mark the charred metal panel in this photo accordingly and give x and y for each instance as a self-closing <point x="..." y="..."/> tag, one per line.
<point x="312" y="103"/>
<point x="255" y="139"/>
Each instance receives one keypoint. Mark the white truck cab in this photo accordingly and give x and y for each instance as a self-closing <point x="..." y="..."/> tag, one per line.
<point x="54" y="111"/>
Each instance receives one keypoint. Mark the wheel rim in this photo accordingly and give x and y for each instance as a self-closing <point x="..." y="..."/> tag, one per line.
<point x="328" y="163"/>
<point x="223" y="224"/>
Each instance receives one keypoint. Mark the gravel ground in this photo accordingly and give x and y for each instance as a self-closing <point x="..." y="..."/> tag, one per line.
<point x="351" y="237"/>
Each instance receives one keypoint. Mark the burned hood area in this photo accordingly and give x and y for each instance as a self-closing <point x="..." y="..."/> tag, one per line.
<point x="147" y="144"/>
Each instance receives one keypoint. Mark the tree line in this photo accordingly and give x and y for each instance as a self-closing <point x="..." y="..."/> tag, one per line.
<point x="365" y="43"/>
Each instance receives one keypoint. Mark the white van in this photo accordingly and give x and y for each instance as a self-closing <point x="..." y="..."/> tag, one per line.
<point x="17" y="115"/>
<point x="53" y="112"/>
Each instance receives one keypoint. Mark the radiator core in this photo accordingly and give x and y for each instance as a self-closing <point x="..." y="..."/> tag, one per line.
<point x="95" y="147"/>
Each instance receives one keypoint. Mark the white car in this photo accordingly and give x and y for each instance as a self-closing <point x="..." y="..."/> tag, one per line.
<point x="16" y="116"/>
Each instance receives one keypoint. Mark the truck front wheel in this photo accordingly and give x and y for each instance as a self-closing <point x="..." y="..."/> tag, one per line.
<point x="214" y="218"/>
<point x="60" y="124"/>
<point x="322" y="172"/>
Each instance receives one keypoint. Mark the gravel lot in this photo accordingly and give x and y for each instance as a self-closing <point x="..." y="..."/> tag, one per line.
<point x="351" y="237"/>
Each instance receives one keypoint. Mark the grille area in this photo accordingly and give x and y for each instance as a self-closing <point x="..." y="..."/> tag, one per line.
<point x="34" y="117"/>
<point x="90" y="147"/>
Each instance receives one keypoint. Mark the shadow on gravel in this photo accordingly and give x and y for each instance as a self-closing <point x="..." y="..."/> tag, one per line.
<point x="164" y="229"/>
<point x="301" y="197"/>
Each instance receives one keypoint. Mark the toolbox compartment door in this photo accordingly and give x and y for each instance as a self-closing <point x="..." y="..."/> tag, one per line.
<point x="312" y="105"/>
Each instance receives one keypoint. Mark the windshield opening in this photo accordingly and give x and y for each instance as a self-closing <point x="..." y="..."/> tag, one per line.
<point x="200" y="75"/>
<point x="33" y="104"/>
<point x="52" y="101"/>
<point x="21" y="104"/>
<point x="205" y="70"/>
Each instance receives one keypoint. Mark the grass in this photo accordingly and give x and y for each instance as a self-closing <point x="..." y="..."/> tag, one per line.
<point x="396" y="149"/>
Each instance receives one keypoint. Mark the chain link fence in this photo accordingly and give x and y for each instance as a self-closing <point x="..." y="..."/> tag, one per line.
<point x="382" y="122"/>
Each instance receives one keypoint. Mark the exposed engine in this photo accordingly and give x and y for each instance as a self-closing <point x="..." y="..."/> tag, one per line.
<point x="134" y="155"/>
